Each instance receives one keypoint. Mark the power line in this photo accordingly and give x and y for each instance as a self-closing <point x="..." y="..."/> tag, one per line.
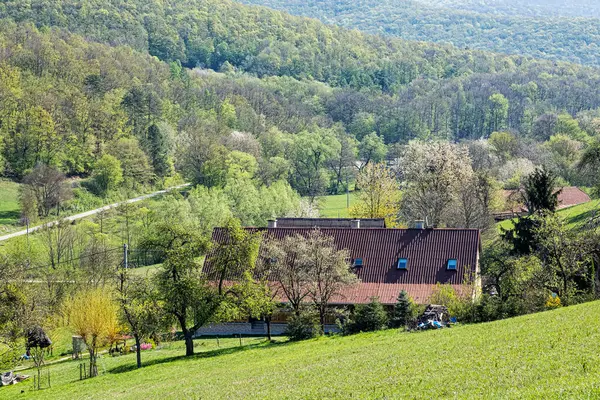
<point x="83" y="256"/>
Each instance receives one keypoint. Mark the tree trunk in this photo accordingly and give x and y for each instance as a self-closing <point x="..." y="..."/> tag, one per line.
<point x="322" y="318"/>
<point x="268" y="321"/>
<point x="189" y="343"/>
<point x="93" y="366"/>
<point x="138" y="351"/>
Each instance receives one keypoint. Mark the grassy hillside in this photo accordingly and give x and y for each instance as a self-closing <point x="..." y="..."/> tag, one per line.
<point x="335" y="206"/>
<point x="9" y="203"/>
<point x="546" y="355"/>
<point x="575" y="216"/>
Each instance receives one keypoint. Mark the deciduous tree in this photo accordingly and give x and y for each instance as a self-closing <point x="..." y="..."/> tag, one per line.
<point x="379" y="194"/>
<point x="93" y="315"/>
<point x="47" y="187"/>
<point x="329" y="270"/>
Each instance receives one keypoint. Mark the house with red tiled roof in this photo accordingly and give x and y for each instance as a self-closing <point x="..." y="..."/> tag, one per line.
<point x="387" y="261"/>
<point x="513" y="203"/>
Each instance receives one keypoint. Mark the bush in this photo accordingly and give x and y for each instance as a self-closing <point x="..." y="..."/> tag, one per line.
<point x="366" y="318"/>
<point x="303" y="326"/>
<point x="460" y="305"/>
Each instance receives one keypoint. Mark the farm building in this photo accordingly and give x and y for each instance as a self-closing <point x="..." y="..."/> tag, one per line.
<point x="387" y="261"/>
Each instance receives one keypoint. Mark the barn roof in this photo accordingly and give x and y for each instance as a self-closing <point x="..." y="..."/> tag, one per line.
<point x="427" y="252"/>
<point x="329" y="222"/>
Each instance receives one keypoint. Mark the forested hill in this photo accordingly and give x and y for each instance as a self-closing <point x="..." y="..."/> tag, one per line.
<point x="209" y="33"/>
<point x="499" y="26"/>
<point x="574" y="8"/>
<point x="438" y="91"/>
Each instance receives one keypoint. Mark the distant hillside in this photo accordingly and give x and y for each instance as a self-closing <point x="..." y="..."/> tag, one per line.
<point x="550" y="355"/>
<point x="428" y="90"/>
<point x="574" y="8"/>
<point x="567" y="34"/>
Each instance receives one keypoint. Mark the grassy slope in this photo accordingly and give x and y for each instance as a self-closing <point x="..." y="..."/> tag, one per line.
<point x="334" y="206"/>
<point x="574" y="216"/>
<point x="9" y="203"/>
<point x="546" y="355"/>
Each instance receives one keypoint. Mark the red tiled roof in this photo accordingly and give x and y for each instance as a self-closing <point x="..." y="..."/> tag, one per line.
<point x="569" y="196"/>
<point x="386" y="292"/>
<point x="427" y="252"/>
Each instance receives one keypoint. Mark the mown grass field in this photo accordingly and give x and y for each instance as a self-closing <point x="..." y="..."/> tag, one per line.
<point x="550" y="355"/>
<point x="9" y="204"/>
<point x="575" y="216"/>
<point x="335" y="206"/>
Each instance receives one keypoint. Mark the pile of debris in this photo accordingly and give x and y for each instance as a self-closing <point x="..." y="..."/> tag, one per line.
<point x="434" y="317"/>
<point x="9" y="378"/>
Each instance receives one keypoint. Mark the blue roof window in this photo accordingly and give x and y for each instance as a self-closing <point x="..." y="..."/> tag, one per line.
<point x="402" y="263"/>
<point x="451" y="264"/>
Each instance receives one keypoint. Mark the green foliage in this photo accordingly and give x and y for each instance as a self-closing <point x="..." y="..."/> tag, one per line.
<point x="107" y="174"/>
<point x="497" y="115"/>
<point x="236" y="255"/>
<point x="133" y="161"/>
<point x="505" y="26"/>
<point x="505" y="144"/>
<point x="183" y="291"/>
<point x="460" y="303"/>
<point x="304" y="325"/>
<point x="139" y="309"/>
<point x="539" y="191"/>
<point x="366" y="318"/>
<point x="404" y="311"/>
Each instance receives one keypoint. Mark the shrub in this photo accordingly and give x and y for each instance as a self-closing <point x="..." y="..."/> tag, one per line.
<point x="366" y="318"/>
<point x="460" y="305"/>
<point x="405" y="311"/>
<point x="553" y="302"/>
<point x="303" y="326"/>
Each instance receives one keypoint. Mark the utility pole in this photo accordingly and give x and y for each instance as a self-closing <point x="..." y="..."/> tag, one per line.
<point x="125" y="266"/>
<point x="347" y="193"/>
<point x="125" y="261"/>
<point x="28" y="245"/>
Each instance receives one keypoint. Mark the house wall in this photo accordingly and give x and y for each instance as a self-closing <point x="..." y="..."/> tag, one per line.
<point x="249" y="329"/>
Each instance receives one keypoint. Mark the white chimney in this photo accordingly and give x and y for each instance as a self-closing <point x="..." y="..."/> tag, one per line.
<point x="272" y="223"/>
<point x="355" y="224"/>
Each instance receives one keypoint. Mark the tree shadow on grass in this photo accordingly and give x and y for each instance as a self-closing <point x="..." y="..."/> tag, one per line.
<point x="10" y="217"/>
<point x="196" y="356"/>
<point x="582" y="218"/>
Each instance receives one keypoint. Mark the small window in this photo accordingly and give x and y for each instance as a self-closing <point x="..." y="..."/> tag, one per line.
<point x="451" y="264"/>
<point x="358" y="262"/>
<point x="402" y="263"/>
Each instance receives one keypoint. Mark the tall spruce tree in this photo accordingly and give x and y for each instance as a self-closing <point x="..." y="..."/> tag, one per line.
<point x="402" y="311"/>
<point x="159" y="150"/>
<point x="539" y="191"/>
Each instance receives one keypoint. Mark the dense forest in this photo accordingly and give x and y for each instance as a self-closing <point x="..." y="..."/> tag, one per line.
<point x="288" y="90"/>
<point x="575" y="8"/>
<point x="552" y="37"/>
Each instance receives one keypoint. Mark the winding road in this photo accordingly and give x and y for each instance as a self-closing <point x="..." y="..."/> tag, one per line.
<point x="90" y="213"/>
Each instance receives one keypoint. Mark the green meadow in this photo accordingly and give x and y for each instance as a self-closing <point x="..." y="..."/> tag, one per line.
<point x="335" y="206"/>
<point x="549" y="355"/>
<point x="9" y="204"/>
